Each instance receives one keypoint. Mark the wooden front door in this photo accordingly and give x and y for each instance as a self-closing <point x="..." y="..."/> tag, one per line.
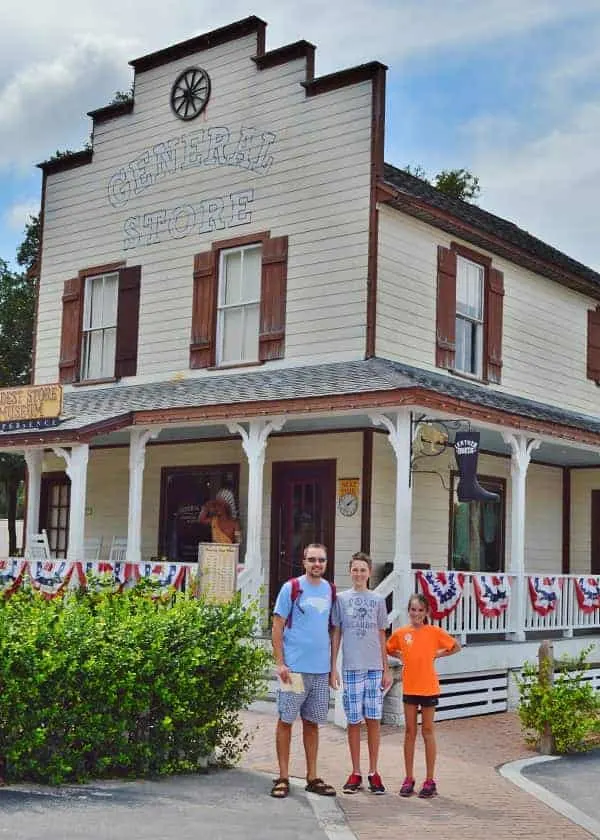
<point x="55" y="500"/>
<point x="302" y="512"/>
<point x="595" y="567"/>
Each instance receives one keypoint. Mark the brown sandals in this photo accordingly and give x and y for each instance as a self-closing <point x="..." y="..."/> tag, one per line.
<point x="280" y="789"/>
<point x="320" y="787"/>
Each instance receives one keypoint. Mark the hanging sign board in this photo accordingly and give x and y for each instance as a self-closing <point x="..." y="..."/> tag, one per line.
<point x="31" y="402"/>
<point x="217" y="569"/>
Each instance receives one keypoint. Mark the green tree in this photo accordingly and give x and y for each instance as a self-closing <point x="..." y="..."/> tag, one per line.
<point x="455" y="183"/>
<point x="17" y="308"/>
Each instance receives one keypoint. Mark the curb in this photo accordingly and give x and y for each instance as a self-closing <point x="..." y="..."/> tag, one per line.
<point x="328" y="813"/>
<point x="512" y="772"/>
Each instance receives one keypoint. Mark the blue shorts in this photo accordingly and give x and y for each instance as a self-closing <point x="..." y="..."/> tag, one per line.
<point x="363" y="695"/>
<point x="312" y="705"/>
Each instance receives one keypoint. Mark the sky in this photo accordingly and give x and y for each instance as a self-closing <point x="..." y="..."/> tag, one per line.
<point x="509" y="89"/>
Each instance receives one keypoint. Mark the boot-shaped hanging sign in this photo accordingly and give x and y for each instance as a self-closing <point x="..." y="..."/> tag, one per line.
<point x="466" y="450"/>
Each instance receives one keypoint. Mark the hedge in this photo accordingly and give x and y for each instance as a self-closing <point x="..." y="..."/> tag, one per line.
<point x="101" y="685"/>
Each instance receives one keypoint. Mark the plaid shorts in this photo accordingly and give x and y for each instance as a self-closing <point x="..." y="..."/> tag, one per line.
<point x="363" y="695"/>
<point x="311" y="705"/>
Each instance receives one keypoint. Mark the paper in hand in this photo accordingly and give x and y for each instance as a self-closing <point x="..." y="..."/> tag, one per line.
<point x="296" y="684"/>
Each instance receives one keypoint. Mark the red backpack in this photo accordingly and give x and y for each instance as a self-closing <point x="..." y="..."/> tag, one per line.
<point x="296" y="591"/>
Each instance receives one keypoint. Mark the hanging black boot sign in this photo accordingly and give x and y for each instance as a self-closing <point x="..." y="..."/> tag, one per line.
<point x="466" y="450"/>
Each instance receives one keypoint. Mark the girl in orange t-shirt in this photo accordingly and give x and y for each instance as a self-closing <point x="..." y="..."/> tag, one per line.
<point x="418" y="644"/>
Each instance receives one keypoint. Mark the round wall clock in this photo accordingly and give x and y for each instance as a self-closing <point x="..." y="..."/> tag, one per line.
<point x="348" y="504"/>
<point x="190" y="93"/>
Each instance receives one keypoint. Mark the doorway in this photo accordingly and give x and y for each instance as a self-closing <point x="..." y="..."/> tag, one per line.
<point x="55" y="500"/>
<point x="302" y="512"/>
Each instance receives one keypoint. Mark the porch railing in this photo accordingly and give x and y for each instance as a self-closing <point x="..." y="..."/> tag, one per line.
<point x="557" y="604"/>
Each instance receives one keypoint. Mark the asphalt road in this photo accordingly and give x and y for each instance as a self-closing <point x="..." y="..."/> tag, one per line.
<point x="575" y="779"/>
<point x="230" y="804"/>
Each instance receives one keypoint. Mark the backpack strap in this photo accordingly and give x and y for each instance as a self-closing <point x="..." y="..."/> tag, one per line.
<point x="333" y="600"/>
<point x="295" y="591"/>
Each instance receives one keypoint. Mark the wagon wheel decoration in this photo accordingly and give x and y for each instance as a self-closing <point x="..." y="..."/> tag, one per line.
<point x="190" y="93"/>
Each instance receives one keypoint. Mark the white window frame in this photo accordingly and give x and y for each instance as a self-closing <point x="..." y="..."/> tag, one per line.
<point x="223" y="308"/>
<point x="108" y="361"/>
<point x="476" y="324"/>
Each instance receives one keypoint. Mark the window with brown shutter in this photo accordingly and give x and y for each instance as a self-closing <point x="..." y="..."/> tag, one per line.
<point x="445" y="332"/>
<point x="593" y="345"/>
<point x="204" y="311"/>
<point x="100" y="324"/>
<point x="128" y="309"/>
<point x="239" y="302"/>
<point x="493" y="325"/>
<point x="70" y="339"/>
<point x="271" y="339"/>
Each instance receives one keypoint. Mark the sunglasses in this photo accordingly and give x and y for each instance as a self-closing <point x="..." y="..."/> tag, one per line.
<point x="316" y="559"/>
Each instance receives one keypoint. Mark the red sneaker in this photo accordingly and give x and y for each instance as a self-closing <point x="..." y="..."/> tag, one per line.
<point x="375" y="784"/>
<point x="353" y="783"/>
<point x="428" y="790"/>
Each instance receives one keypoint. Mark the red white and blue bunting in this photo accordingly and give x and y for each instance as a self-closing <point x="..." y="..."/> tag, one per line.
<point x="587" y="590"/>
<point x="544" y="593"/>
<point x="51" y="577"/>
<point x="12" y="572"/>
<point x="443" y="591"/>
<point x="164" y="576"/>
<point x="492" y="593"/>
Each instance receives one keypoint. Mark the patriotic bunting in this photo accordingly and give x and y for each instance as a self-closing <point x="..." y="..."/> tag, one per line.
<point x="11" y="575"/>
<point x="51" y="577"/>
<point x="166" y="576"/>
<point x="544" y="593"/>
<point x="492" y="593"/>
<point x="443" y="591"/>
<point x="587" y="590"/>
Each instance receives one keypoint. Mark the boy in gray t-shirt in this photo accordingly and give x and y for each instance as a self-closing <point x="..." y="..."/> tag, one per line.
<point x="359" y="619"/>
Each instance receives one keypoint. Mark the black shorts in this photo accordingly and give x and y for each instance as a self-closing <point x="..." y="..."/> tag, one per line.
<point x="420" y="700"/>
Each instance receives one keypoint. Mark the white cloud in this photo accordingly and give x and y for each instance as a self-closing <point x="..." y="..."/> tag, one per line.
<point x="17" y="215"/>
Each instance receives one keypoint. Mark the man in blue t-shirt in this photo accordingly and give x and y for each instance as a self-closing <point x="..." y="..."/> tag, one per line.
<point x="302" y="655"/>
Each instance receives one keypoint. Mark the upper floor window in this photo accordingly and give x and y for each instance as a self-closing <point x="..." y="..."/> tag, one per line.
<point x="99" y="328"/>
<point x="469" y="316"/>
<point x="239" y="301"/>
<point x="239" y="305"/>
<point x="99" y="331"/>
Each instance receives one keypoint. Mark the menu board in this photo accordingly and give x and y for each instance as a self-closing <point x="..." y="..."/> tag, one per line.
<point x="217" y="568"/>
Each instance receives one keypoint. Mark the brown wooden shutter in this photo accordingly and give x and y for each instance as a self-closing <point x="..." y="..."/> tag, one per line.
<point x="204" y="311"/>
<point x="493" y="324"/>
<point x="445" y="333"/>
<point x="593" y="345"/>
<point x="70" y="339"/>
<point x="128" y="313"/>
<point x="271" y="339"/>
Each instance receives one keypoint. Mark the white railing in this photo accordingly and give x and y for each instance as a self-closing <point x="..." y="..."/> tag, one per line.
<point x="467" y="619"/>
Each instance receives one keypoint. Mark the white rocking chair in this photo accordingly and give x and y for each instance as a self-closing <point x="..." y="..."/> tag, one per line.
<point x="38" y="550"/>
<point x="92" y="546"/>
<point x="118" y="550"/>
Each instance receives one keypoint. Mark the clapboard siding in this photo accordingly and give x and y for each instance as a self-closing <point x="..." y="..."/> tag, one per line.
<point x="545" y="324"/>
<point x="582" y="484"/>
<point x="316" y="193"/>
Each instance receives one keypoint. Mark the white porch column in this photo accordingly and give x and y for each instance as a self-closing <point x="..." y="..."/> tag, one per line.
<point x="254" y="443"/>
<point x="521" y="448"/>
<point x="399" y="430"/>
<point x="76" y="468"/>
<point x="137" y="460"/>
<point x="33" y="459"/>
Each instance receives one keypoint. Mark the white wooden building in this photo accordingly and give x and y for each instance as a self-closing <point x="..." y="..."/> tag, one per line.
<point x="237" y="292"/>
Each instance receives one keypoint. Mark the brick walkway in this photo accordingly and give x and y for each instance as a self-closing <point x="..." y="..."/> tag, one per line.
<point x="474" y="802"/>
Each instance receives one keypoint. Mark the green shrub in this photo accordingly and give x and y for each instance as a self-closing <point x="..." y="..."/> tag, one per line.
<point x="97" y="684"/>
<point x="568" y="705"/>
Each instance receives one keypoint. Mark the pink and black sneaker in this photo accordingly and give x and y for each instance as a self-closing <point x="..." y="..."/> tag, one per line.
<point x="428" y="790"/>
<point x="408" y="787"/>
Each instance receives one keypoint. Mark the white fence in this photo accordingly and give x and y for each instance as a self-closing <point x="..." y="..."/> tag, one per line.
<point x="532" y="603"/>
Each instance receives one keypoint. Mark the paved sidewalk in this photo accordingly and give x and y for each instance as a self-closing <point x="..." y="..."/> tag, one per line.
<point x="474" y="802"/>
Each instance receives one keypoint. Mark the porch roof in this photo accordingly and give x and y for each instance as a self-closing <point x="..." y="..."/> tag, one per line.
<point x="363" y="384"/>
